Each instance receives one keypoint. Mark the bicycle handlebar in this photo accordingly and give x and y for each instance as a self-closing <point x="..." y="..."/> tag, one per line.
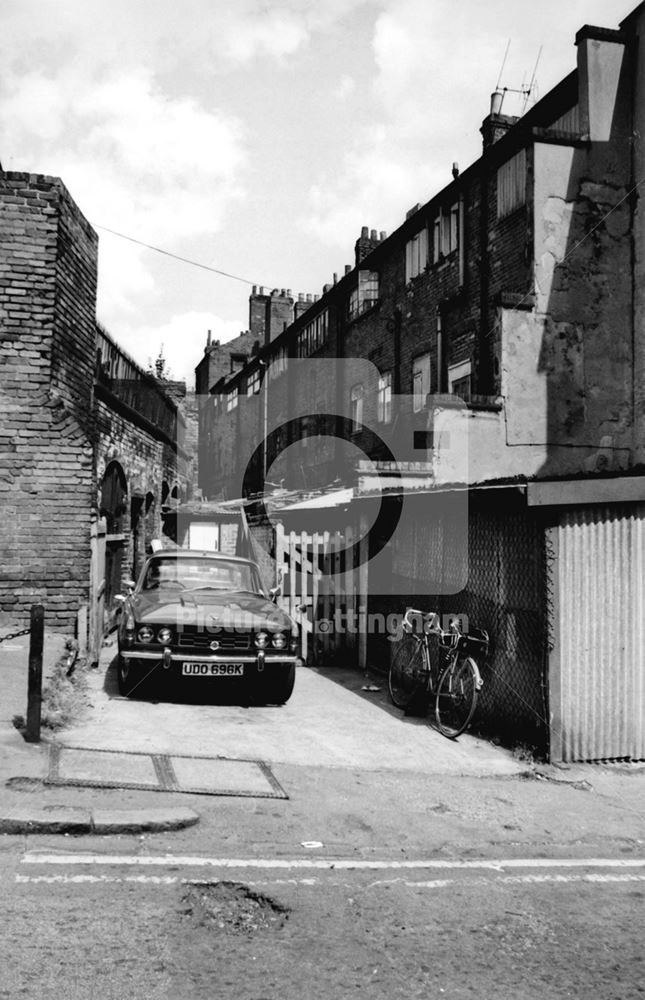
<point x="428" y="616"/>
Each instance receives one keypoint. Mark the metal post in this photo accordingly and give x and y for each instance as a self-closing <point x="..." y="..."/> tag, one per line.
<point x="35" y="679"/>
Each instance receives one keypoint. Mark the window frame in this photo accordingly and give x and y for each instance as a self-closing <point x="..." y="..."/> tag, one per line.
<point x="254" y="382"/>
<point x="232" y="398"/>
<point x="458" y="372"/>
<point x="419" y="400"/>
<point x="512" y="184"/>
<point x="357" y="404"/>
<point x="384" y="398"/>
<point x="417" y="254"/>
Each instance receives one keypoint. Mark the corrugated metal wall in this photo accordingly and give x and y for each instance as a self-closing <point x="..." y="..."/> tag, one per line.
<point x="597" y="672"/>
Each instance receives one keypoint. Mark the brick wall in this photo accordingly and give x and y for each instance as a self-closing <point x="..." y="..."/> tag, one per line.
<point x="47" y="479"/>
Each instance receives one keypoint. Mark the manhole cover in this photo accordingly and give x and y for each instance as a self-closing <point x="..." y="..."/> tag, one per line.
<point x="232" y="908"/>
<point x="159" y="772"/>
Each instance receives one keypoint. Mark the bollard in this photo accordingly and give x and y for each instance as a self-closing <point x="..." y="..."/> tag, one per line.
<point x="35" y="678"/>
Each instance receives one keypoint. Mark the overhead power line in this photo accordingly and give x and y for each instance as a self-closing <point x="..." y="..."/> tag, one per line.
<point x="175" y="256"/>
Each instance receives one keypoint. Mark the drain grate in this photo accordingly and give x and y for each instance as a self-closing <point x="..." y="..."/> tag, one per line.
<point x="96" y="768"/>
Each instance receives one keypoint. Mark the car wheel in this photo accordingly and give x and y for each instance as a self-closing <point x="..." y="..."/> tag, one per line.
<point x="278" y="685"/>
<point x="129" y="676"/>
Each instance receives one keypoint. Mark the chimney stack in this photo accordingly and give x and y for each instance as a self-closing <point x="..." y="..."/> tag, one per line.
<point x="496" y="124"/>
<point x="364" y="245"/>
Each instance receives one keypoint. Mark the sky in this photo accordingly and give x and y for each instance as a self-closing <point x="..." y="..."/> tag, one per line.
<point x="257" y="137"/>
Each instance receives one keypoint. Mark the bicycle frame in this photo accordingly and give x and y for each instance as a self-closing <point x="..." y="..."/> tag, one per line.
<point x="451" y="674"/>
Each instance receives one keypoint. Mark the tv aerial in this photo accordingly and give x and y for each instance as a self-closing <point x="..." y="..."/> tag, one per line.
<point x="524" y="90"/>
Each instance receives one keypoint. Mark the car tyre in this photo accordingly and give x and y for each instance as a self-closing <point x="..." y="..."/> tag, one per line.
<point x="278" y="685"/>
<point x="129" y="676"/>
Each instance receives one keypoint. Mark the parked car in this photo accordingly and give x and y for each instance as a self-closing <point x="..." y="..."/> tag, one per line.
<point x="197" y="616"/>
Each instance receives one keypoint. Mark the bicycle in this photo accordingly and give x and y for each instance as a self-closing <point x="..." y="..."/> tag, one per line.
<point x="452" y="677"/>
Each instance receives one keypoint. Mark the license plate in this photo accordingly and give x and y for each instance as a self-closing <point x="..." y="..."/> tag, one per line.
<point x="192" y="669"/>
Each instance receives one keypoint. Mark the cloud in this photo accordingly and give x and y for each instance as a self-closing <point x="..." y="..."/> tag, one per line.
<point x="182" y="340"/>
<point x="345" y="86"/>
<point x="435" y="65"/>
<point x="219" y="33"/>
<point x="160" y="169"/>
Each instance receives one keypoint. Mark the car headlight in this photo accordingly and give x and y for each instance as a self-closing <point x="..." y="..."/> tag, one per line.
<point x="279" y="641"/>
<point x="145" y="634"/>
<point x="262" y="640"/>
<point x="164" y="635"/>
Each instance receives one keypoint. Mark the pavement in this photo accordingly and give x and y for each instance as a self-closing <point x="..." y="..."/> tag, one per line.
<point x="25" y="766"/>
<point x="338" y="748"/>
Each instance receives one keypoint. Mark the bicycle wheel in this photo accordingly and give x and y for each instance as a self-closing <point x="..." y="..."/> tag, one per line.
<point x="456" y="697"/>
<point x="406" y="670"/>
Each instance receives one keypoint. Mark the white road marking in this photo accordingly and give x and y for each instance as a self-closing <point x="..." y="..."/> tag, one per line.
<point x="151" y="880"/>
<point x="324" y="864"/>
<point x="495" y="879"/>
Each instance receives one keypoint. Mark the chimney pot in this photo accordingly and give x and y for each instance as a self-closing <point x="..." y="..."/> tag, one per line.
<point x="348" y="268"/>
<point x="373" y="235"/>
<point x="496" y="99"/>
<point x="382" y="235"/>
<point x="301" y="297"/>
<point x="335" y="278"/>
<point x="365" y="233"/>
<point x="283" y="292"/>
<point x="326" y="288"/>
<point x="255" y="290"/>
<point x="289" y="294"/>
<point x="309" y="297"/>
<point x="455" y="170"/>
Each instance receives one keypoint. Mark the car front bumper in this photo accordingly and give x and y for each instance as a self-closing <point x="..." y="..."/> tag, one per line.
<point x="168" y="658"/>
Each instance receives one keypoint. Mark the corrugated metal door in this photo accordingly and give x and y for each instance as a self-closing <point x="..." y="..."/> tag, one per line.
<point x="597" y="671"/>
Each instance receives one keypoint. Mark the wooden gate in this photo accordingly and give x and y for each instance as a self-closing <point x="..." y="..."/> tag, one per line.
<point x="319" y="589"/>
<point x="97" y="589"/>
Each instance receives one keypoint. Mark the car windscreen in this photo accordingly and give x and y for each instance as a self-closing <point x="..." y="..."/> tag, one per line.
<point x="209" y="574"/>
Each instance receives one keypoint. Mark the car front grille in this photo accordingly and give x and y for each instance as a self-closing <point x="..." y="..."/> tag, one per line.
<point x="202" y="640"/>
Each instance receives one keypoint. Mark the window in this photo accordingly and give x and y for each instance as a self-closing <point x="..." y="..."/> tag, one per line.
<point x="511" y="184"/>
<point x="313" y="335"/>
<point x="365" y="295"/>
<point x="231" y="399"/>
<point x="384" y="402"/>
<point x="278" y="363"/>
<point x="459" y="380"/>
<point x="237" y="362"/>
<point x="356" y="400"/>
<point x="445" y="233"/>
<point x="416" y="255"/>
<point x="420" y="381"/>
<point x="253" y="382"/>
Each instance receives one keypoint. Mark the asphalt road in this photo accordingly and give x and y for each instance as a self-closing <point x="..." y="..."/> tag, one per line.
<point x="401" y="865"/>
<point x="95" y="924"/>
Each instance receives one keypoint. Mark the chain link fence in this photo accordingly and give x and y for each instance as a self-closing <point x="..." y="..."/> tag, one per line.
<point x="505" y="568"/>
<point x="507" y="595"/>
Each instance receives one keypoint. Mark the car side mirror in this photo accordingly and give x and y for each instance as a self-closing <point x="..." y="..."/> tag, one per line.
<point x="129" y="584"/>
<point x="275" y="592"/>
<point x="119" y="598"/>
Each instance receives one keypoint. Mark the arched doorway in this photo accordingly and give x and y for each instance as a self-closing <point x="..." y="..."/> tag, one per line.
<point x="113" y="507"/>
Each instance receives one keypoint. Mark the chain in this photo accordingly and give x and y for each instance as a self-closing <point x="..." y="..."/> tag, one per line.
<point x="14" y="635"/>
